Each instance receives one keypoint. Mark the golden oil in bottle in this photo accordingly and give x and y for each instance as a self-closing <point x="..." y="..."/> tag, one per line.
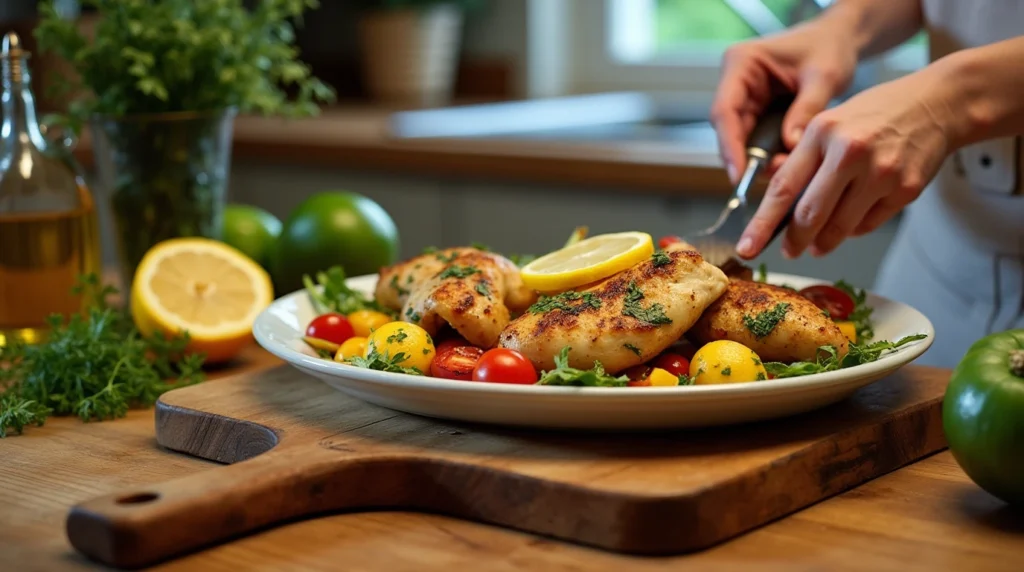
<point x="48" y="232"/>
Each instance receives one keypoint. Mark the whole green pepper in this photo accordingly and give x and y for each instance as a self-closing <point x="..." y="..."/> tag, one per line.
<point x="983" y="414"/>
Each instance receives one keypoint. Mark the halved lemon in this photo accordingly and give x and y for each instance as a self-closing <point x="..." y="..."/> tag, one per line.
<point x="587" y="261"/>
<point x="204" y="287"/>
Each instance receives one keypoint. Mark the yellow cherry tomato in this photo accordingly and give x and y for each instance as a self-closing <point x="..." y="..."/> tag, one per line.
<point x="409" y="340"/>
<point x="364" y="322"/>
<point x="725" y="361"/>
<point x="662" y="378"/>
<point x="350" y="348"/>
<point x="849" y="330"/>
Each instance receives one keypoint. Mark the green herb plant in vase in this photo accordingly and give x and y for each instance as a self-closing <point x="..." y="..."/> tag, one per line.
<point x="162" y="82"/>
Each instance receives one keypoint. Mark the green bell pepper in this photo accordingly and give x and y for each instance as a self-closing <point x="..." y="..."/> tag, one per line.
<point x="983" y="414"/>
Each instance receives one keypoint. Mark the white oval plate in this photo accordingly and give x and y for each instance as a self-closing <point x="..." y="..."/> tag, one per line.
<point x="280" y="327"/>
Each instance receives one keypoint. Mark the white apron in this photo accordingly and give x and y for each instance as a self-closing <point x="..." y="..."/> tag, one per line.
<point x="958" y="256"/>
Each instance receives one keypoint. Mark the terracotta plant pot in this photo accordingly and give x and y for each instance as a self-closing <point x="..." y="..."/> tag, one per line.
<point x="410" y="56"/>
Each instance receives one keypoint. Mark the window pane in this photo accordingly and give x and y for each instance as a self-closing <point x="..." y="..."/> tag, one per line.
<point x="712" y="24"/>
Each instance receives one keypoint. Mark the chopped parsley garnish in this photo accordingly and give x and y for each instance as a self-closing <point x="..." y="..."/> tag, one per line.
<point x="394" y="284"/>
<point x="446" y="259"/>
<point x="564" y="302"/>
<point x="727" y="371"/>
<point x="429" y="249"/>
<point x="685" y="379"/>
<point x="762" y="324"/>
<point x="828" y="358"/>
<point x="632" y="348"/>
<point x="480" y="246"/>
<point x="756" y="361"/>
<point x="761" y="376"/>
<point x="384" y="362"/>
<point x="659" y="258"/>
<point x="426" y="351"/>
<point x="861" y="315"/>
<point x="565" y="375"/>
<point x="654" y="315"/>
<point x="482" y="288"/>
<point x="413" y="315"/>
<point x="337" y="296"/>
<point x="456" y="271"/>
<point x="398" y="336"/>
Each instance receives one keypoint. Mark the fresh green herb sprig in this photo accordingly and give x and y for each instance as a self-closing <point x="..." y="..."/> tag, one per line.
<point x="565" y="375"/>
<point x="828" y="358"/>
<point x="337" y="296"/>
<point x="384" y="362"/>
<point x="96" y="366"/>
<point x="182" y="55"/>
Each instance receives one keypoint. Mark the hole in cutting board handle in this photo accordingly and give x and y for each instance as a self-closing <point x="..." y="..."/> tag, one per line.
<point x="138" y="498"/>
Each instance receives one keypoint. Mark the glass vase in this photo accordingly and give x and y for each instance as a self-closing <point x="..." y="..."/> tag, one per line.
<point x="163" y="176"/>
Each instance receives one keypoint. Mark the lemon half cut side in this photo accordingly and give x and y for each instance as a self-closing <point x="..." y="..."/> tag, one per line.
<point x="203" y="287"/>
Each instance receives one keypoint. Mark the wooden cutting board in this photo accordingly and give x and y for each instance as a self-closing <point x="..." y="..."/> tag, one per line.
<point x="298" y="448"/>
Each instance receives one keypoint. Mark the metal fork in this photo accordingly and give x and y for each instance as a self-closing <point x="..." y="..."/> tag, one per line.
<point x="717" y="243"/>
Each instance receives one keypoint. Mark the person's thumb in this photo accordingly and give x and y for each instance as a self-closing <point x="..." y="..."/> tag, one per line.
<point x="811" y="99"/>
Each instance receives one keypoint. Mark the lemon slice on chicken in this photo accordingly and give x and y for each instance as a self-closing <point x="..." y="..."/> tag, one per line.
<point x="587" y="261"/>
<point x="203" y="287"/>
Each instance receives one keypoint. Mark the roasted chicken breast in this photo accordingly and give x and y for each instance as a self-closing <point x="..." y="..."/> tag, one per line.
<point x="622" y="321"/>
<point x="397" y="281"/>
<point x="475" y="292"/>
<point x="775" y="322"/>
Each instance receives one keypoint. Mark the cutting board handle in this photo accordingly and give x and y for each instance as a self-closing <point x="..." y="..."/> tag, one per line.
<point x="142" y="527"/>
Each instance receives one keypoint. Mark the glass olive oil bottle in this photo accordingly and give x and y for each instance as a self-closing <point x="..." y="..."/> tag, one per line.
<point x="48" y="232"/>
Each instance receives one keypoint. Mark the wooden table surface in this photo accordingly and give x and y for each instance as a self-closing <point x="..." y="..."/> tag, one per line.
<point x="924" y="516"/>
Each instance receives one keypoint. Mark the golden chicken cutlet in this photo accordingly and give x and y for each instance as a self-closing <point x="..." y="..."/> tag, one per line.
<point x="777" y="323"/>
<point x="622" y="321"/>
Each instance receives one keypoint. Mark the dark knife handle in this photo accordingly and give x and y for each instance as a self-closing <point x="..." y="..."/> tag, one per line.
<point x="767" y="134"/>
<point x="766" y="140"/>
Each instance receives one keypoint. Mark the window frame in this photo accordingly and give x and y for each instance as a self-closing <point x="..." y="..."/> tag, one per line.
<point x="593" y="67"/>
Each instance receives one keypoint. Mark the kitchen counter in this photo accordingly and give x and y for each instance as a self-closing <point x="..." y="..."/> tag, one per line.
<point x="926" y="516"/>
<point x="594" y="152"/>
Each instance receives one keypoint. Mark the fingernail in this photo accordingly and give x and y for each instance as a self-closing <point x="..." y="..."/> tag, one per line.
<point x="745" y="247"/>
<point x="796" y="133"/>
<point x="732" y="172"/>
<point x="788" y="252"/>
<point x="815" y="251"/>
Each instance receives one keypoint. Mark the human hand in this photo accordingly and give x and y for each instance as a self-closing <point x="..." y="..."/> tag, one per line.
<point x="815" y="61"/>
<point x="860" y="163"/>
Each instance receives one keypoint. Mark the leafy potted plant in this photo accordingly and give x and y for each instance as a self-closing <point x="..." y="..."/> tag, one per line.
<point x="410" y="48"/>
<point x="163" y="82"/>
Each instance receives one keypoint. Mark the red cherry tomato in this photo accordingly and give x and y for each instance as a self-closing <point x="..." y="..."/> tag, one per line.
<point x="334" y="328"/>
<point x="449" y="343"/>
<point x="837" y="303"/>
<point x="664" y="241"/>
<point x="500" y="365"/>
<point x="456" y="362"/>
<point x="673" y="363"/>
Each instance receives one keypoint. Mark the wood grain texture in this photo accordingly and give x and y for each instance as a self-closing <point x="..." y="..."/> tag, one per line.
<point x="926" y="516"/>
<point x="309" y="450"/>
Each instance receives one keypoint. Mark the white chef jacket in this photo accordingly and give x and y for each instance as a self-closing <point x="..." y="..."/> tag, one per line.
<point x="958" y="255"/>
